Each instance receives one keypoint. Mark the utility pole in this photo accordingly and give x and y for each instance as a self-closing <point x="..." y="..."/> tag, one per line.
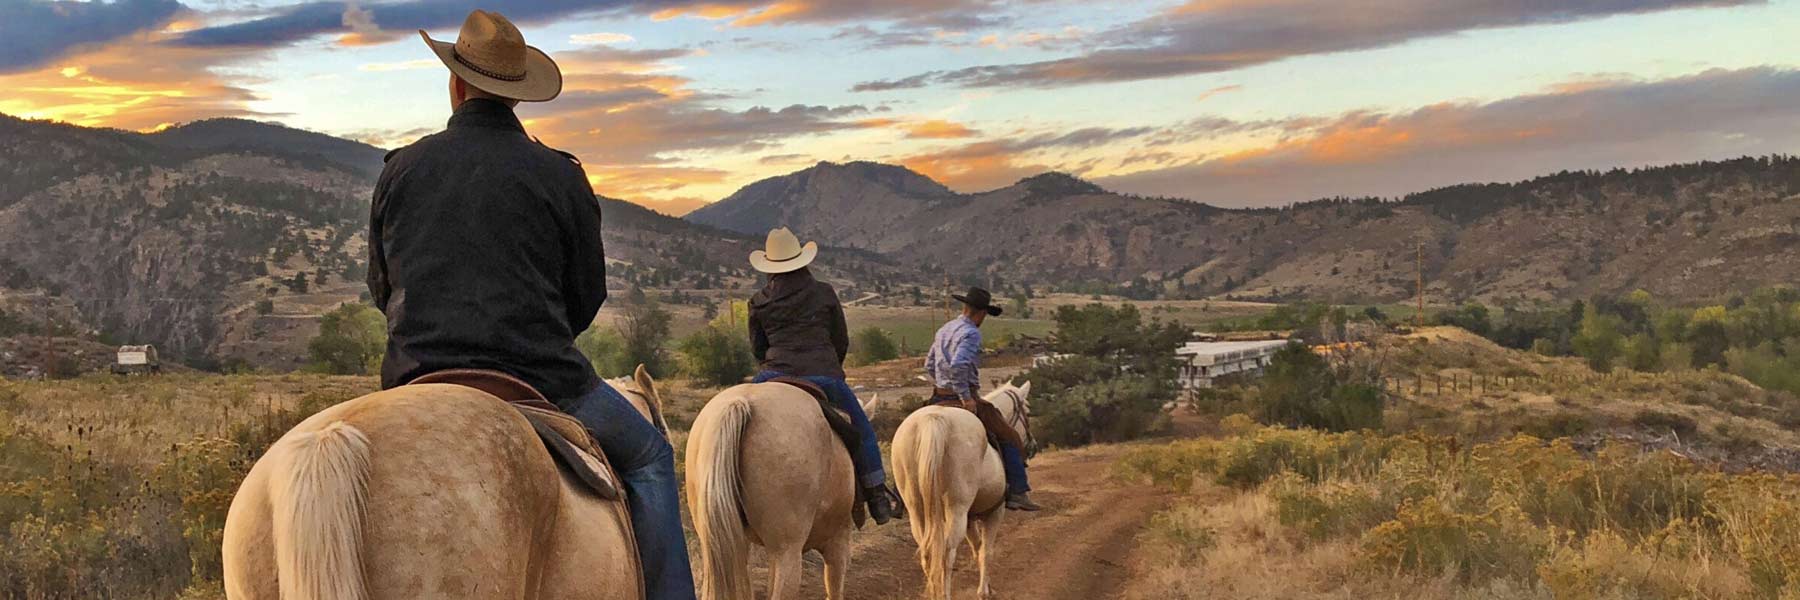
<point x="1419" y="316"/>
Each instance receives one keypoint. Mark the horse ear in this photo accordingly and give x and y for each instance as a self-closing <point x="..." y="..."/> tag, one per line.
<point x="647" y="386"/>
<point x="1025" y="389"/>
<point x="871" y="402"/>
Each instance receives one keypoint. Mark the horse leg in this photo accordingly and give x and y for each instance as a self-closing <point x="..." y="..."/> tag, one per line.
<point x="837" y="565"/>
<point x="982" y="534"/>
<point x="957" y="527"/>
<point x="785" y="569"/>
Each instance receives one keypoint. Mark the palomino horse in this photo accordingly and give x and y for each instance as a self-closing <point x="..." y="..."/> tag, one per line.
<point x="426" y="491"/>
<point x="764" y="467"/>
<point x="948" y="476"/>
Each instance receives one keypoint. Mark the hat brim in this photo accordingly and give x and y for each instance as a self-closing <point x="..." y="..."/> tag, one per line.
<point x="543" y="79"/>
<point x="759" y="260"/>
<point x="991" y="309"/>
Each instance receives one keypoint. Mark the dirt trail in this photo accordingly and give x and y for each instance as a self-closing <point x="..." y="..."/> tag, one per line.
<point x="1078" y="548"/>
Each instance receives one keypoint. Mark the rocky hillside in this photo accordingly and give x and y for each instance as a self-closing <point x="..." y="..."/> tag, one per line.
<point x="1684" y="231"/>
<point x="224" y="240"/>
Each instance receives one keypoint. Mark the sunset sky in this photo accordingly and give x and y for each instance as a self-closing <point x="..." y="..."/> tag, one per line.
<point x="1230" y="102"/>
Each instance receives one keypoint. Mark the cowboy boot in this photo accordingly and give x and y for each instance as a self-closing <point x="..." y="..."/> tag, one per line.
<point x="881" y="505"/>
<point x="1022" y="501"/>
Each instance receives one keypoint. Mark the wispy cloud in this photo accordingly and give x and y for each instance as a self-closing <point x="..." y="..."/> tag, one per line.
<point x="1208" y="36"/>
<point x="405" y="65"/>
<point x="35" y="32"/>
<point x="601" y="38"/>
<point x="1595" y="125"/>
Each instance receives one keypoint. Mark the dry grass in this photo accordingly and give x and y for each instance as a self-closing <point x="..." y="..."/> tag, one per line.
<point x="1276" y="513"/>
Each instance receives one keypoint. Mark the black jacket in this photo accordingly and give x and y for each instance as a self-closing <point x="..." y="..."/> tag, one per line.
<point x="797" y="326"/>
<point x="484" y="252"/>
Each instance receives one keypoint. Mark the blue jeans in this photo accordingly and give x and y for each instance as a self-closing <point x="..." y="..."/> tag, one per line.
<point x="646" y="464"/>
<point x="1011" y="458"/>
<point x="1014" y="461"/>
<point x="867" y="459"/>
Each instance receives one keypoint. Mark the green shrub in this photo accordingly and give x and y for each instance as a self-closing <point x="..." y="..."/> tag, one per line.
<point x="604" y="349"/>
<point x="1110" y="410"/>
<point x="351" y="341"/>
<point x="1113" y="387"/>
<point x="1183" y="531"/>
<point x="644" y="329"/>
<point x="871" y="345"/>
<point x="716" y="356"/>
<point x="1428" y="538"/>
<point x="1300" y="389"/>
<point x="1330" y="509"/>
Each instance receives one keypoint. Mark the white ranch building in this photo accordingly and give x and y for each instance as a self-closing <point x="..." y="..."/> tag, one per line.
<point x="1202" y="362"/>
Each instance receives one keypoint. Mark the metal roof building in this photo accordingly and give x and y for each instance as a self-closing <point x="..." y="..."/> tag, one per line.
<point x="1203" y="362"/>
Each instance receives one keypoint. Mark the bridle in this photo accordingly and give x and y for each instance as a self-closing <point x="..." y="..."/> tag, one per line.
<point x="1019" y="420"/>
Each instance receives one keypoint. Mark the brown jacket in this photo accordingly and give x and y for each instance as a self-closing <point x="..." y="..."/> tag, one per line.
<point x="797" y="326"/>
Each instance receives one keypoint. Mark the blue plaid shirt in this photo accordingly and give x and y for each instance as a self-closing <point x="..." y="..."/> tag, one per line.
<point x="954" y="359"/>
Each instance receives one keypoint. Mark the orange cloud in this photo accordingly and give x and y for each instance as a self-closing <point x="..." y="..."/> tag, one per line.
<point x="1223" y="89"/>
<point x="133" y="84"/>
<point x="938" y="129"/>
<point x="932" y="129"/>
<point x="976" y="167"/>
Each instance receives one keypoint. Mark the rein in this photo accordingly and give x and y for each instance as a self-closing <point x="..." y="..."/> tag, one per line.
<point x="1019" y="420"/>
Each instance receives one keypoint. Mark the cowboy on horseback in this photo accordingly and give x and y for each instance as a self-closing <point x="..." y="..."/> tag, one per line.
<point x="953" y="363"/>
<point x="797" y="329"/>
<point x="485" y="253"/>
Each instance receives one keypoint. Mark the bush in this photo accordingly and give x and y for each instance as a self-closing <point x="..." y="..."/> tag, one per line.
<point x="644" y="330"/>
<point x="1428" y="538"/>
<point x="717" y="356"/>
<point x="1471" y="316"/>
<point x="872" y="345"/>
<point x="1300" y="389"/>
<point x="1115" y="385"/>
<point x="352" y="340"/>
<point x="1109" y="410"/>
<point x="604" y="349"/>
<point x="1599" y="341"/>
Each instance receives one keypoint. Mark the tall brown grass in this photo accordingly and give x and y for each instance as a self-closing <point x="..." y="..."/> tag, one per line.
<point x="1368" y="513"/>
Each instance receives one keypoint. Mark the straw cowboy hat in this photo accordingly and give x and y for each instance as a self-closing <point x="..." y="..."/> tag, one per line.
<point x="783" y="253"/>
<point x="491" y="55"/>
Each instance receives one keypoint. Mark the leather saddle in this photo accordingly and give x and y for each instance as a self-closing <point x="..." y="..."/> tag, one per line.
<point x="568" y="441"/>
<point x="839" y="421"/>
<point x="841" y="426"/>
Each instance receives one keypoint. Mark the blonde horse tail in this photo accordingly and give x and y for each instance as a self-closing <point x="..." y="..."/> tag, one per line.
<point x="718" y="519"/>
<point x="318" y="512"/>
<point x="934" y="518"/>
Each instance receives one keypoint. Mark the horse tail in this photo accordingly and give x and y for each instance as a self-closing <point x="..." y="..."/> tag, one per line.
<point x="318" y="512"/>
<point x="715" y="486"/>
<point x="935" y="520"/>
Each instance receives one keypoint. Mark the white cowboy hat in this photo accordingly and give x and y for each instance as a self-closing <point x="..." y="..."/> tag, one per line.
<point x="491" y="55"/>
<point x="783" y="253"/>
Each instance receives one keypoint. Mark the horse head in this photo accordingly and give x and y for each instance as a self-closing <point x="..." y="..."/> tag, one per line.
<point x="1014" y="401"/>
<point x="640" y="389"/>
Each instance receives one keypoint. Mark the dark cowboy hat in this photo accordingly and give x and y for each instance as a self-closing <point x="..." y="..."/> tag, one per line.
<point x="979" y="298"/>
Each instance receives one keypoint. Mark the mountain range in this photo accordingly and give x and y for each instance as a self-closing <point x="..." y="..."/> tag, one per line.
<point x="1688" y="232"/>
<point x="225" y="239"/>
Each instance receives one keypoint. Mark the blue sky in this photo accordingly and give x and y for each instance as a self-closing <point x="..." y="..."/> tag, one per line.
<point x="1231" y="102"/>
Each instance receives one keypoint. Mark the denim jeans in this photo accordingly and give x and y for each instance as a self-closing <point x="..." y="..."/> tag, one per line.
<point x="1014" y="461"/>
<point x="867" y="458"/>
<point x="646" y="464"/>
<point x="1012" y="458"/>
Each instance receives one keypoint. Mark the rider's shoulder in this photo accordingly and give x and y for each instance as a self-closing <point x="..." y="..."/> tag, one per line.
<point x="566" y="156"/>
<point x="412" y="149"/>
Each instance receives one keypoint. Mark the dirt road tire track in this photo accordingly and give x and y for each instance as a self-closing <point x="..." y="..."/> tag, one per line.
<point x="1079" y="548"/>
